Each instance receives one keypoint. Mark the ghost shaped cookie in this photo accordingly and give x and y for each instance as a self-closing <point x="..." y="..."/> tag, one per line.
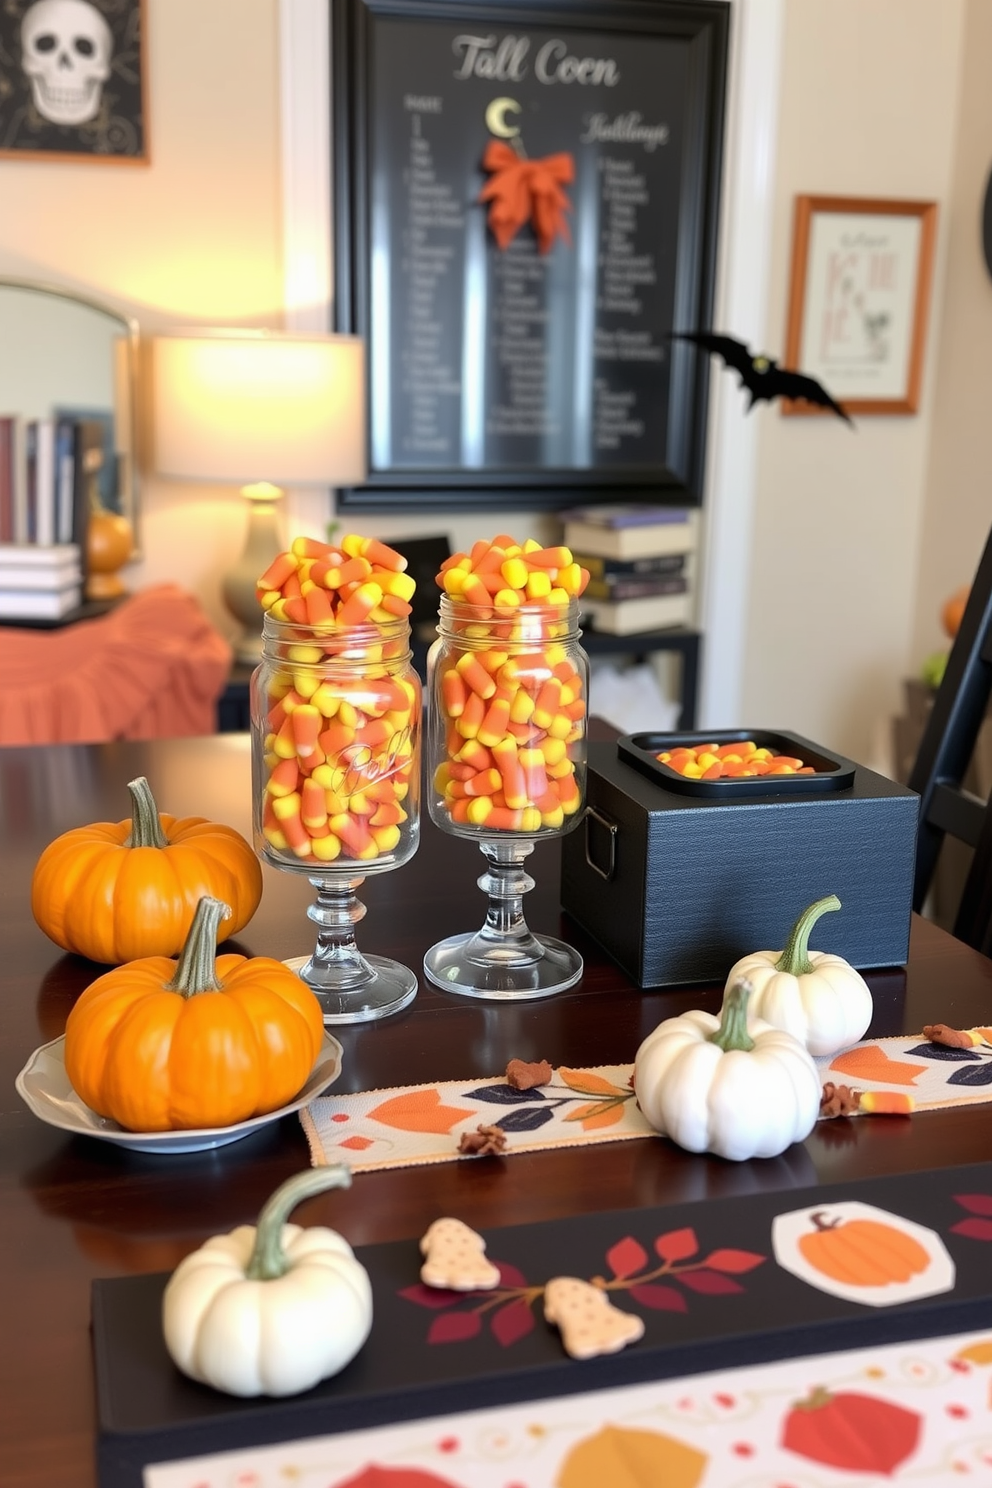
<point x="587" y="1320"/>
<point x="454" y="1257"/>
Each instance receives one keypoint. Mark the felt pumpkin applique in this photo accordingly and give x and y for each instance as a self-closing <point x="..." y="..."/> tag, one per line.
<point x="852" y="1431"/>
<point x="862" y="1254"/>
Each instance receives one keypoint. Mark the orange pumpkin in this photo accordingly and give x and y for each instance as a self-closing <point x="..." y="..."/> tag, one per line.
<point x="862" y="1252"/>
<point x="160" y="1045"/>
<point x="114" y="891"/>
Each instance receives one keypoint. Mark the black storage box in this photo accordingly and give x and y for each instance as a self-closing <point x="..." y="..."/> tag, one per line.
<point x="677" y="886"/>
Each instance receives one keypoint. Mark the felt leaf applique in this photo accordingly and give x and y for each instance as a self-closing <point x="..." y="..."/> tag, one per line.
<point x="512" y="1322"/>
<point x="586" y="1083"/>
<point x="975" y="1228"/>
<point x="975" y="1074"/>
<point x="419" y="1111"/>
<point x="975" y="1203"/>
<point x="434" y="1297"/>
<point x="454" y="1327"/>
<point x="504" y="1095"/>
<point x="946" y="1052"/>
<point x="597" y="1114"/>
<point x="640" y="1459"/>
<point x="711" y="1283"/>
<point x="870" y="1063"/>
<point x="659" y="1298"/>
<point x="677" y="1245"/>
<point x="735" y="1261"/>
<point x="627" y="1257"/>
<point x="509" y="1276"/>
<point x="525" y="1119"/>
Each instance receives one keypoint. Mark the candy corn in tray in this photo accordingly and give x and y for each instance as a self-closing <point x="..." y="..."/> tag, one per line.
<point x="337" y="707"/>
<point x="509" y="687"/>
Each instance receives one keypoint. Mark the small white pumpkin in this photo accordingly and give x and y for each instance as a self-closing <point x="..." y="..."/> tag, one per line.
<point x="820" y="999"/>
<point x="270" y="1310"/>
<point x="727" y="1085"/>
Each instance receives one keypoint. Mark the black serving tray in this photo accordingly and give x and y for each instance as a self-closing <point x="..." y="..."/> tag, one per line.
<point x="148" y="1412"/>
<point x="833" y="772"/>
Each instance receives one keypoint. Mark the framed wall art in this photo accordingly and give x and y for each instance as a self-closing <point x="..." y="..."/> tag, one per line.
<point x="73" y="81"/>
<point x="525" y="206"/>
<point x="860" y="292"/>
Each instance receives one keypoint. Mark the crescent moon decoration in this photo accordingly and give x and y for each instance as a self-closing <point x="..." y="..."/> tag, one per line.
<point x="496" y="117"/>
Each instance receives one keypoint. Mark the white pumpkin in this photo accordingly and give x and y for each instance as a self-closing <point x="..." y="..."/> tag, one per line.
<point x="820" y="999"/>
<point x="727" y="1085"/>
<point x="270" y="1310"/>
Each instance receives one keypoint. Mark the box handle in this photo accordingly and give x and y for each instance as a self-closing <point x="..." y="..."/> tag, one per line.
<point x="601" y="853"/>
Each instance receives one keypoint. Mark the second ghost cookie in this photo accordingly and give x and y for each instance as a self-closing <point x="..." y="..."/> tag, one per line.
<point x="587" y="1320"/>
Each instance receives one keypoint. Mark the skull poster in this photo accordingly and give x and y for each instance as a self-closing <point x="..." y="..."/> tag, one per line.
<point x="72" y="80"/>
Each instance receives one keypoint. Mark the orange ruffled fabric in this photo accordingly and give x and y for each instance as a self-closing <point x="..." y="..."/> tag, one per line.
<point x="152" y="668"/>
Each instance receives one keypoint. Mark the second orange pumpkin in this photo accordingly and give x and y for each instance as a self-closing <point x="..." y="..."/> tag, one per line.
<point x="207" y="1041"/>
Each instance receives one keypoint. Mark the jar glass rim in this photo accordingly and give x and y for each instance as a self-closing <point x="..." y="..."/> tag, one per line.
<point x="325" y="633"/>
<point x="528" y="623"/>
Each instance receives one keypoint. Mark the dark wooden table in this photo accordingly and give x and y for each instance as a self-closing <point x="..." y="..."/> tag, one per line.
<point x="72" y="1208"/>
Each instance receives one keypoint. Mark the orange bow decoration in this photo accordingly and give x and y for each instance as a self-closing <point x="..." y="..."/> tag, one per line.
<point x="526" y="190"/>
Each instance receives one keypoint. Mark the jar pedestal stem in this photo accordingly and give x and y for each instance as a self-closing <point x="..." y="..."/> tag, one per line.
<point x="504" y="961"/>
<point x="350" y="987"/>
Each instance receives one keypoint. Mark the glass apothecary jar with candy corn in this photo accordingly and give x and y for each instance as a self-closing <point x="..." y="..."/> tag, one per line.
<point x="507" y="701"/>
<point x="336" y="714"/>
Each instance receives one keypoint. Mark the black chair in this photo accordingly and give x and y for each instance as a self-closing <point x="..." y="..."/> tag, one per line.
<point x="945" y="752"/>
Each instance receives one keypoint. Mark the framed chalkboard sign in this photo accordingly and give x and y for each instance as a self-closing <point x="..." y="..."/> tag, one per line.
<point x="526" y="202"/>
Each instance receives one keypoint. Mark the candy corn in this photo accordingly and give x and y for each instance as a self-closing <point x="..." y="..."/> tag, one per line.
<point x="342" y="720"/>
<point x="511" y="699"/>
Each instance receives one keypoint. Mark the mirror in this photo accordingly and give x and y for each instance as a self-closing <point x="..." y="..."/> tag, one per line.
<point x="73" y="360"/>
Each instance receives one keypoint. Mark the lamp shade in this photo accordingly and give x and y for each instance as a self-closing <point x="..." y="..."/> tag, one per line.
<point x="246" y="406"/>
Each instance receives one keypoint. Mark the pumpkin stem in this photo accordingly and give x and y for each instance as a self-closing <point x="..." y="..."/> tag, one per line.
<point x="823" y="1222"/>
<point x="732" y="1033"/>
<point x="146" y="828"/>
<point x="795" y="958"/>
<point x="268" y="1259"/>
<point x="818" y="1397"/>
<point x="196" y="970"/>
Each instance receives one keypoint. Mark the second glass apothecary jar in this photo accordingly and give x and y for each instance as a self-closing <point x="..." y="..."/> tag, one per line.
<point x="506" y="765"/>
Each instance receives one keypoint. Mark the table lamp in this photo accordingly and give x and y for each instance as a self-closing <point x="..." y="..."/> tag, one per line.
<point x="263" y="409"/>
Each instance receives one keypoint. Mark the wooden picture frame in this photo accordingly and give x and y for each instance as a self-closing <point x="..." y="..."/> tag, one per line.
<point x="859" y="299"/>
<point x="533" y="370"/>
<point x="98" y="112"/>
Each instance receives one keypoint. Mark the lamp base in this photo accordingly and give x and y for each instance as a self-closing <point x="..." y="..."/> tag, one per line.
<point x="262" y="544"/>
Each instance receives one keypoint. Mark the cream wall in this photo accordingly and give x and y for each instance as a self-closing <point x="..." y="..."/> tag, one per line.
<point x="193" y="238"/>
<point x="958" y="508"/>
<point x="868" y="107"/>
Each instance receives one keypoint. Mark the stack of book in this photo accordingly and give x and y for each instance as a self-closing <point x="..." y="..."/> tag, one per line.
<point x="44" y="495"/>
<point x="640" y="564"/>
<point x="39" y="583"/>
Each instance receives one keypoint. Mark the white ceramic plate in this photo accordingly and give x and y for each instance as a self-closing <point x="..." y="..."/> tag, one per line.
<point x="44" y="1086"/>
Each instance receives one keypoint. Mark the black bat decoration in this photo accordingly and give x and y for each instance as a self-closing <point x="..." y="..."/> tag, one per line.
<point x="762" y="375"/>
